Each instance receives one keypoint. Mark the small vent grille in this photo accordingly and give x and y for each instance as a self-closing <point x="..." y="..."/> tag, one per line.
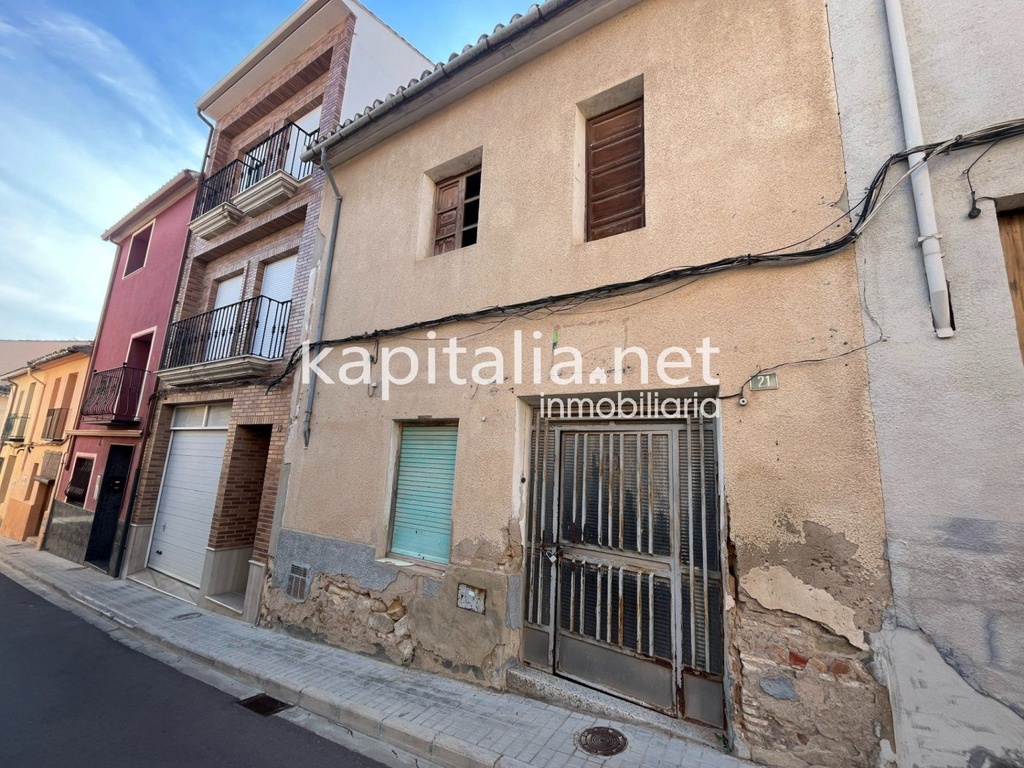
<point x="298" y="582"/>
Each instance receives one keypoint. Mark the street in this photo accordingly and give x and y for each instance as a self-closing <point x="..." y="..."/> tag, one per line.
<point x="71" y="696"/>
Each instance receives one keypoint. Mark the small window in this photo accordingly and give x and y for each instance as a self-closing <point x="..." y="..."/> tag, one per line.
<point x="214" y="416"/>
<point x="79" y="485"/>
<point x="422" y="516"/>
<point x="457" y="212"/>
<point x="137" y="250"/>
<point x="615" y="171"/>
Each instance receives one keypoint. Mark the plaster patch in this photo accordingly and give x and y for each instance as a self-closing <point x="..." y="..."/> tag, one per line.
<point x="776" y="589"/>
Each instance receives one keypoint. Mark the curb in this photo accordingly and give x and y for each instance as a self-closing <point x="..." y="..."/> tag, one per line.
<point x="439" y="748"/>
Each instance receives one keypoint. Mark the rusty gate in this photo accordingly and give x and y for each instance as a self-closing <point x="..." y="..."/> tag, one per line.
<point x="623" y="561"/>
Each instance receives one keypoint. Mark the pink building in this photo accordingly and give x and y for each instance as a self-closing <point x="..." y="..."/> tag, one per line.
<point x="106" y="444"/>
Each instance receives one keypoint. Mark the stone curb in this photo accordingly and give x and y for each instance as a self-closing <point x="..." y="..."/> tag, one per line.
<point x="438" y="748"/>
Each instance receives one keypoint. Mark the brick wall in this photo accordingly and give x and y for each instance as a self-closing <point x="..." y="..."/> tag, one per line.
<point x="234" y="521"/>
<point x="250" y="475"/>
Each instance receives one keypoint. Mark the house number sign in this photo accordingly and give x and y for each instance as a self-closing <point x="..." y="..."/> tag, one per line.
<point x="764" y="381"/>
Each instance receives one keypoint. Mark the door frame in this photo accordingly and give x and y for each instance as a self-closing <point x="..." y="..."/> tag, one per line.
<point x="99" y="500"/>
<point x="167" y="458"/>
<point x="534" y="454"/>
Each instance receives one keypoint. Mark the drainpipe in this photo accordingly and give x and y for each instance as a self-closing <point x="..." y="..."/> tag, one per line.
<point x="322" y="309"/>
<point x="209" y="141"/>
<point x="920" y="180"/>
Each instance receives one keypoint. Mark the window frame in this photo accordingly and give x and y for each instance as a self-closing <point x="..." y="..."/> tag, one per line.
<point x="391" y="554"/>
<point x="151" y="228"/>
<point x="588" y="197"/>
<point x="462" y="201"/>
<point x="91" y="458"/>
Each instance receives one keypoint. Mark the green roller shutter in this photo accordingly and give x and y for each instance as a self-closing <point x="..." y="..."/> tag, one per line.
<point x="422" y="525"/>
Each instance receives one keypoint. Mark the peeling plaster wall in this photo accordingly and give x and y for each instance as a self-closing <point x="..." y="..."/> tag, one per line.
<point x="948" y="413"/>
<point x="741" y="97"/>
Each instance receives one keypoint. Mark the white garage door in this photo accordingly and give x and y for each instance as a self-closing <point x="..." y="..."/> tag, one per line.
<point x="187" y="499"/>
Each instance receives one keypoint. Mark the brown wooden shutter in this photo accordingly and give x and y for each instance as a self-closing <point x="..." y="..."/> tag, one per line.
<point x="1011" y="230"/>
<point x="448" y="219"/>
<point x="615" y="171"/>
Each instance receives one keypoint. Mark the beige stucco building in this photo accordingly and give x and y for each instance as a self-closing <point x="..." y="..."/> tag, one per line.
<point x="45" y="395"/>
<point x="732" y="561"/>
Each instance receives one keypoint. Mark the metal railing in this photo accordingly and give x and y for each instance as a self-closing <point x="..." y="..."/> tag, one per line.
<point x="282" y="150"/>
<point x="53" y="425"/>
<point x="255" y="327"/>
<point x="14" y="428"/>
<point x="114" y="395"/>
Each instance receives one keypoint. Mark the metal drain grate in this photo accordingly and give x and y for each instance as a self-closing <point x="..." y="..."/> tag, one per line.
<point x="264" y="705"/>
<point x="602" y="741"/>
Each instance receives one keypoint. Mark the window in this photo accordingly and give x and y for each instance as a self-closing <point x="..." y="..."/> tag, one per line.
<point x="615" y="171"/>
<point x="214" y="416"/>
<point x="422" y="516"/>
<point x="137" y="250"/>
<point x="457" y="212"/>
<point x="51" y="465"/>
<point x="79" y="484"/>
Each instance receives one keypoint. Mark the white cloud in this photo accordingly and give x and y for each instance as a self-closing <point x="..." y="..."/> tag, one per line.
<point x="88" y="132"/>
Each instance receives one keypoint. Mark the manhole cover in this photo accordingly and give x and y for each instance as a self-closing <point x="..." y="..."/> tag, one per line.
<point x="184" y="616"/>
<point x="264" y="705"/>
<point x="602" y="741"/>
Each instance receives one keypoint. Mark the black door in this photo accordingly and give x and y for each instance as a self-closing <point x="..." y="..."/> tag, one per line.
<point x="108" y="508"/>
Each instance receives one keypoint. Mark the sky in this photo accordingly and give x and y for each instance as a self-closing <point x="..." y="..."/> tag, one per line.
<point x="98" y="112"/>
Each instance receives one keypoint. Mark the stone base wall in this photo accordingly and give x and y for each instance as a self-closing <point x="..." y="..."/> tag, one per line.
<point x="406" y="614"/>
<point x="67" y="532"/>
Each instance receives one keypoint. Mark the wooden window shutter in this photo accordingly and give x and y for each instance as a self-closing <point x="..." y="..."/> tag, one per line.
<point x="615" y="171"/>
<point x="447" y="224"/>
<point x="457" y="212"/>
<point x="422" y="522"/>
<point x="1011" y="231"/>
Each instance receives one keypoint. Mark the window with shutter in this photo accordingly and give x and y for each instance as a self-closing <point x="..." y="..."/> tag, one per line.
<point x="457" y="212"/>
<point x="422" y="516"/>
<point x="51" y="465"/>
<point x="615" y="171"/>
<point x="79" y="485"/>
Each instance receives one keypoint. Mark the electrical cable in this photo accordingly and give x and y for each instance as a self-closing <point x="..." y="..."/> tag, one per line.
<point x="861" y="213"/>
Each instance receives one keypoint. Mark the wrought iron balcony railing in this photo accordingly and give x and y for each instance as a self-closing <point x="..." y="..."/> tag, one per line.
<point x="255" y="327"/>
<point x="114" y="395"/>
<point x="281" y="150"/>
<point x="53" y="426"/>
<point x="14" y="429"/>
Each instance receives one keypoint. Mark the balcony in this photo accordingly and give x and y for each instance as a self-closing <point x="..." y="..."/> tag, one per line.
<point x="14" y="429"/>
<point x="114" y="395"/>
<point x="53" y="426"/>
<point x="266" y="175"/>
<point x="234" y="342"/>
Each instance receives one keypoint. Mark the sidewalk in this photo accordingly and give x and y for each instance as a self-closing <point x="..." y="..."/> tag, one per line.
<point x="444" y="721"/>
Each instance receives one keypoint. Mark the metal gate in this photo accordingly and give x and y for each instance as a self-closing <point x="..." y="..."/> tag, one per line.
<point x="623" y="574"/>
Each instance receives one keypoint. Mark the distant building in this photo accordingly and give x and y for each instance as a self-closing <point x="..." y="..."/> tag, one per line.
<point x="92" y="507"/>
<point x="15" y="353"/>
<point x="44" y="396"/>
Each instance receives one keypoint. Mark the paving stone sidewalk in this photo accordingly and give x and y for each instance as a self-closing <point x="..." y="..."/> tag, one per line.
<point x="444" y="721"/>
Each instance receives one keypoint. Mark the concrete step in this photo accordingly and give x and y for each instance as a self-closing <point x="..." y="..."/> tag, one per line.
<point x="566" y="693"/>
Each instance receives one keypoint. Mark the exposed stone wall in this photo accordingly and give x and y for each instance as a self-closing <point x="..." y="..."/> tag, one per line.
<point x="408" y="615"/>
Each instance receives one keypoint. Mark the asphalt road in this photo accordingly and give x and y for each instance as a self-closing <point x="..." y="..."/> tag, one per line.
<point x="71" y="696"/>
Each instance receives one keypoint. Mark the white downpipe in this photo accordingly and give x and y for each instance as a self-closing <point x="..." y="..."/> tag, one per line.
<point x="920" y="180"/>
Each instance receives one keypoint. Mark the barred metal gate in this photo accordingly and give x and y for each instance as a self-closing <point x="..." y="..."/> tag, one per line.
<point x="624" y="587"/>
